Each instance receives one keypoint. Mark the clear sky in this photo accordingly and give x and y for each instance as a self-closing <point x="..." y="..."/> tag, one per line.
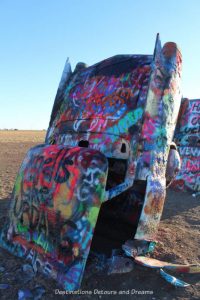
<point x="36" y="37"/>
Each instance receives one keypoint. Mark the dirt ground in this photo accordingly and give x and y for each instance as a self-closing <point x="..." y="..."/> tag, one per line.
<point x="178" y="241"/>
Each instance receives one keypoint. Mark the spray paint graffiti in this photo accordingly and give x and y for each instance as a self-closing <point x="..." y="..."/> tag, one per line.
<point x="57" y="197"/>
<point x="188" y="141"/>
<point x="163" y="266"/>
<point x="163" y="102"/>
<point x="122" y="112"/>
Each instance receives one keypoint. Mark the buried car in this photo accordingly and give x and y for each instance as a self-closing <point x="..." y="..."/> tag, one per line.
<point x="188" y="142"/>
<point x="106" y="150"/>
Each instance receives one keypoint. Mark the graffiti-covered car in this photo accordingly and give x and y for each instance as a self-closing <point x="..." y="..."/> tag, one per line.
<point x="187" y="137"/>
<point x="106" y="150"/>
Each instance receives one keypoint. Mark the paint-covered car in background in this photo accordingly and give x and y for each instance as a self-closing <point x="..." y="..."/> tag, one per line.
<point x="106" y="151"/>
<point x="187" y="138"/>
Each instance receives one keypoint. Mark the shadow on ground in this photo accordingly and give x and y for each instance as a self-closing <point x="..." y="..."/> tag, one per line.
<point x="179" y="206"/>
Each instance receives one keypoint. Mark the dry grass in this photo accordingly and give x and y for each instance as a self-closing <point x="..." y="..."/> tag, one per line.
<point x="22" y="136"/>
<point x="13" y="147"/>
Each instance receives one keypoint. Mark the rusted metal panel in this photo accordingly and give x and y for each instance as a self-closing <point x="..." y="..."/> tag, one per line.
<point x="163" y="266"/>
<point x="157" y="264"/>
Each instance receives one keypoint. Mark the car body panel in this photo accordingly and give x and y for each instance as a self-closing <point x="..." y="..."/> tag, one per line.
<point x="122" y="113"/>
<point x="56" y="201"/>
<point x="187" y="137"/>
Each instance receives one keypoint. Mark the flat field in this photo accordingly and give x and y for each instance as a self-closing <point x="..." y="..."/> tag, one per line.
<point x="178" y="241"/>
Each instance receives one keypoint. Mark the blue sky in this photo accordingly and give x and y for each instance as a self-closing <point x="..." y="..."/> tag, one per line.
<point x="36" y="37"/>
